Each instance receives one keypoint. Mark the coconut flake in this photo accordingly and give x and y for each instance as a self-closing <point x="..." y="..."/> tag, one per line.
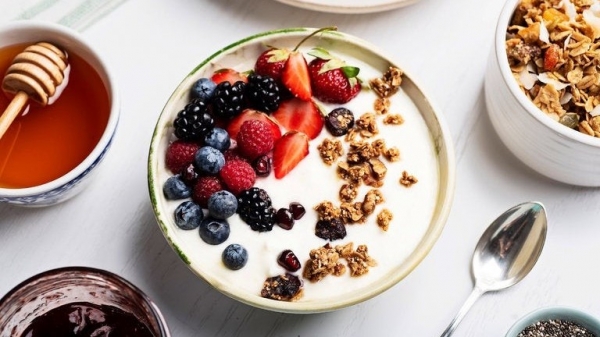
<point x="595" y="8"/>
<point x="545" y="78"/>
<point x="569" y="9"/>
<point x="566" y="98"/>
<point x="544" y="34"/>
<point x="527" y="79"/>
<point x="567" y="41"/>
<point x="593" y="21"/>
<point x="595" y="111"/>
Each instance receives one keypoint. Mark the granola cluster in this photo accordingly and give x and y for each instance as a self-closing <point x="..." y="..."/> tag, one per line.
<point x="328" y="260"/>
<point x="553" y="51"/>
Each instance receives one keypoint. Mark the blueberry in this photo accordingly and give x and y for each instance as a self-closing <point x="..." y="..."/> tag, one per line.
<point x="222" y="204"/>
<point x="218" y="138"/>
<point x="209" y="159"/>
<point x="174" y="188"/>
<point x="235" y="256"/>
<point x="203" y="89"/>
<point x="188" y="215"/>
<point x="214" y="231"/>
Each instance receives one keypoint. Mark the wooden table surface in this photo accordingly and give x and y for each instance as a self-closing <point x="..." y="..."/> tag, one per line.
<point x="444" y="45"/>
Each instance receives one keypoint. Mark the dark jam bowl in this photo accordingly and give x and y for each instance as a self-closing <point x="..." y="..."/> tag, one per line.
<point x="49" y="290"/>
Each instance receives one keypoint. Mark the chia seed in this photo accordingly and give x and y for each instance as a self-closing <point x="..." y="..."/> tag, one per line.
<point x="555" y="328"/>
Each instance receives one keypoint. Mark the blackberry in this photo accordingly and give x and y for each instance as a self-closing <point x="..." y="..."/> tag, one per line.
<point x="339" y="121"/>
<point x="194" y="121"/>
<point x="254" y="207"/>
<point x="228" y="99"/>
<point x="263" y="93"/>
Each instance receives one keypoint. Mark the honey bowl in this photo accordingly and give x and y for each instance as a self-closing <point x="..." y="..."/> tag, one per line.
<point x="48" y="153"/>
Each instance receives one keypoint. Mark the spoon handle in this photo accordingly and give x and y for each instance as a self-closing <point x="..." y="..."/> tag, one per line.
<point x="477" y="291"/>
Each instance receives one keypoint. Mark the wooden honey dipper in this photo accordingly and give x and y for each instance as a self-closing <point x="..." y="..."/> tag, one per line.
<point x="34" y="74"/>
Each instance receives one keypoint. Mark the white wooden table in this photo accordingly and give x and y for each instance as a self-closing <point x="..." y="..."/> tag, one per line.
<point x="444" y="45"/>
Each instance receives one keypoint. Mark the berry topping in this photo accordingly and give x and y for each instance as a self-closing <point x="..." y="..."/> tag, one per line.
<point x="228" y="99"/>
<point x="209" y="160"/>
<point x="174" y="189"/>
<point x="297" y="210"/>
<point x="214" y="231"/>
<point x="271" y="62"/>
<point x="331" y="79"/>
<point x="189" y="174"/>
<point x="193" y="122"/>
<point x="235" y="256"/>
<point x="218" y="138"/>
<point x="295" y="76"/>
<point x="288" y="260"/>
<point x="204" y="188"/>
<point x="248" y="114"/>
<point x="254" y="139"/>
<point x="254" y="207"/>
<point x="262" y="166"/>
<point x="232" y="154"/>
<point x="284" y="218"/>
<point x="299" y="115"/>
<point x="179" y="155"/>
<point x="263" y="93"/>
<point x="188" y="215"/>
<point x="222" y="205"/>
<point x="330" y="230"/>
<point x="339" y="121"/>
<point x="228" y="75"/>
<point x="289" y="150"/>
<point x="203" y="89"/>
<point x="238" y="176"/>
<point x="282" y="288"/>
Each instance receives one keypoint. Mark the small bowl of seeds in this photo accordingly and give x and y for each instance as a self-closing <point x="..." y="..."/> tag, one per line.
<point x="542" y="87"/>
<point x="556" y="322"/>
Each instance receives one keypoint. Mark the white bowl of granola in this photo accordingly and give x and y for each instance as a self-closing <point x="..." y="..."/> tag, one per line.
<point x="367" y="221"/>
<point x="542" y="93"/>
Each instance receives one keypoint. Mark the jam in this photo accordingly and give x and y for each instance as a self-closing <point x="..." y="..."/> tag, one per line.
<point x="86" y="320"/>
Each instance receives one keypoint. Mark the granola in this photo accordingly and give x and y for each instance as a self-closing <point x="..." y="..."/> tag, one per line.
<point x="384" y="218"/>
<point x="407" y="179"/>
<point x="323" y="261"/>
<point x="358" y="260"/>
<point x="553" y="51"/>
<point x="330" y="150"/>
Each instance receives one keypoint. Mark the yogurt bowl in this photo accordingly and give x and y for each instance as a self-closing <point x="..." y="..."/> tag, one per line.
<point x="541" y="142"/>
<point x="419" y="204"/>
<point x="49" y="154"/>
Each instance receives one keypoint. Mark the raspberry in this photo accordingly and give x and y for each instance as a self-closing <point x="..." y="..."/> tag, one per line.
<point x="254" y="139"/>
<point x="204" y="188"/>
<point x="232" y="154"/>
<point x="180" y="154"/>
<point x="237" y="175"/>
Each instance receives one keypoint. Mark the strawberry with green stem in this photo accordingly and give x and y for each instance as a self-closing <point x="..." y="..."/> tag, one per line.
<point x="332" y="80"/>
<point x="288" y="67"/>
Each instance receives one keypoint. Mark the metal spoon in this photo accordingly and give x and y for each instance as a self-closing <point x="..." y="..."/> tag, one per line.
<point x="505" y="253"/>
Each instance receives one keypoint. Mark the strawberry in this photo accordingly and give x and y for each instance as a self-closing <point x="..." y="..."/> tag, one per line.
<point x="289" y="150"/>
<point x="299" y="115"/>
<point x="234" y="125"/>
<point x="271" y="62"/>
<point x="295" y="76"/>
<point x="331" y="79"/>
<point x="227" y="74"/>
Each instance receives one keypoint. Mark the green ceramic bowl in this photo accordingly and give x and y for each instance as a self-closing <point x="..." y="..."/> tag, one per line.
<point x="591" y="323"/>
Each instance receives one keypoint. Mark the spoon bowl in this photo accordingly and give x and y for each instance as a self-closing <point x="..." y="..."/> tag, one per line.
<point x="505" y="253"/>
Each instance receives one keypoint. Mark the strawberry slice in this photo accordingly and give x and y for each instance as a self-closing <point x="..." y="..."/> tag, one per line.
<point x="289" y="150"/>
<point x="227" y="74"/>
<point x="295" y="76"/>
<point x="299" y="115"/>
<point x="248" y="114"/>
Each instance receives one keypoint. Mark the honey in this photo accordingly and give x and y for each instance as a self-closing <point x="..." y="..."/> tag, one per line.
<point x="45" y="143"/>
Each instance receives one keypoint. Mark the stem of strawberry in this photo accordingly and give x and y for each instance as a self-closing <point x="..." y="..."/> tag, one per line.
<point x="313" y="34"/>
